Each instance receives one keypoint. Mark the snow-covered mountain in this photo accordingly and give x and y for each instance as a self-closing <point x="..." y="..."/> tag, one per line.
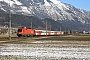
<point x="53" y="9"/>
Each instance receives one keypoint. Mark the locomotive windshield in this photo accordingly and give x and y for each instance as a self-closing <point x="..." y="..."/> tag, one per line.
<point x="19" y="30"/>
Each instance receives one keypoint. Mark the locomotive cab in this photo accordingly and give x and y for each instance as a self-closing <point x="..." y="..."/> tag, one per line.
<point x="19" y="30"/>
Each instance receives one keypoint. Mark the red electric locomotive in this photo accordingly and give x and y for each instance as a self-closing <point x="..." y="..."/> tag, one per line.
<point x="26" y="32"/>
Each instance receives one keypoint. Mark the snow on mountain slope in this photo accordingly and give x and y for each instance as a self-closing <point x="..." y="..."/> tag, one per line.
<point x="46" y="9"/>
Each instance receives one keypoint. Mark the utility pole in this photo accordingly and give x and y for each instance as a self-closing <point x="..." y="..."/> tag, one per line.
<point x="46" y="27"/>
<point x="10" y="21"/>
<point x="60" y="30"/>
<point x="31" y="24"/>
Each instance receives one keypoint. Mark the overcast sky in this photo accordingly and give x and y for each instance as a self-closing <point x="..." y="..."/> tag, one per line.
<point x="83" y="4"/>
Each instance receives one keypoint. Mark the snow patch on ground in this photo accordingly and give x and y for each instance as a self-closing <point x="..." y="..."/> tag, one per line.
<point x="37" y="51"/>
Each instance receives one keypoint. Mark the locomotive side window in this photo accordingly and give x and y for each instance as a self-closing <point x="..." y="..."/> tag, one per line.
<point x="19" y="30"/>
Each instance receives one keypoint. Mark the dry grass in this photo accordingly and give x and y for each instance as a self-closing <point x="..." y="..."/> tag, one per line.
<point x="7" y="35"/>
<point x="70" y="39"/>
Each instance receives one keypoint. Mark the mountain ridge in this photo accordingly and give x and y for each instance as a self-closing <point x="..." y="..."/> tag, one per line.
<point x="53" y="9"/>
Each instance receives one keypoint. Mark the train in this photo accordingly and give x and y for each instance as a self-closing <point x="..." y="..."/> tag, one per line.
<point x="29" y="32"/>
